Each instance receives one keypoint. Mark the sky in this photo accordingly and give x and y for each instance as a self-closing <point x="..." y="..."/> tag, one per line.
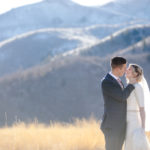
<point x="6" y="5"/>
<point x="92" y="2"/>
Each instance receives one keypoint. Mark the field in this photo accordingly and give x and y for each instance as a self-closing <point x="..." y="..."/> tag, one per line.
<point x="80" y="135"/>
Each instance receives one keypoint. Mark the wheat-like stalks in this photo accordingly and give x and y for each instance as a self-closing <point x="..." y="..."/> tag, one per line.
<point x="80" y="135"/>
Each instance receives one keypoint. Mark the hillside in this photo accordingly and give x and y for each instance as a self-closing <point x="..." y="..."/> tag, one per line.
<point x="37" y="47"/>
<point x="62" y="14"/>
<point x="41" y="46"/>
<point x="60" y="91"/>
<point x="140" y="47"/>
<point x="68" y="86"/>
<point x="53" y="55"/>
<point x="138" y="9"/>
<point x="66" y="89"/>
<point x="117" y="41"/>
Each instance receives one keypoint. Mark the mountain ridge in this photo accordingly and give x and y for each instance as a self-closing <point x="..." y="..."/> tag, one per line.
<point x="58" y="14"/>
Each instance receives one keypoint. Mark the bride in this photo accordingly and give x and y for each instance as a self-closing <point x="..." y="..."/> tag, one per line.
<point x="138" y="110"/>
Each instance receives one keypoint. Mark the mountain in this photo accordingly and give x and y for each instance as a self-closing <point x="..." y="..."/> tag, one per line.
<point x="117" y="41"/>
<point x="60" y="91"/>
<point x="67" y="87"/>
<point x="140" y="47"/>
<point x="138" y="9"/>
<point x="59" y="14"/>
<point x="40" y="46"/>
<point x="102" y="31"/>
<point x="53" y="55"/>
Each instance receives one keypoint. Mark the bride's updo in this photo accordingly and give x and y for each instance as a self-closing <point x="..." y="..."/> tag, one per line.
<point x="137" y="72"/>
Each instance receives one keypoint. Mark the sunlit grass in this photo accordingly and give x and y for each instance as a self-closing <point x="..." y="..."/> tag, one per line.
<point x="148" y="135"/>
<point x="80" y="135"/>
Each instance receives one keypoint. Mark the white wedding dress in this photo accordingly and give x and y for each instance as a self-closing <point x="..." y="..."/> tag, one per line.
<point x="135" y="135"/>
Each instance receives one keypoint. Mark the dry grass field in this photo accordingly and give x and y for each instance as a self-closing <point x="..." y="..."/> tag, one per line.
<point x="80" y="135"/>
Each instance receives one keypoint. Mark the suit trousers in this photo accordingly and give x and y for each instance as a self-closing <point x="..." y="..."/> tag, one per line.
<point x="114" y="139"/>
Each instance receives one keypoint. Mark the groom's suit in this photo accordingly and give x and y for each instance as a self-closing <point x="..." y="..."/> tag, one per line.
<point x="115" y="106"/>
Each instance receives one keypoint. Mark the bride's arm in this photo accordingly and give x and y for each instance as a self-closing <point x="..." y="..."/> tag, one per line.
<point x="140" y="100"/>
<point x="113" y="90"/>
<point x="142" y="114"/>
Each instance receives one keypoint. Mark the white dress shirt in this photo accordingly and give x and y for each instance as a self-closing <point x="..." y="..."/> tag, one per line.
<point x="117" y="78"/>
<point x="113" y="76"/>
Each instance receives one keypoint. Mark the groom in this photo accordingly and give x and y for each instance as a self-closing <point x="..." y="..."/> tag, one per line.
<point x="115" y="95"/>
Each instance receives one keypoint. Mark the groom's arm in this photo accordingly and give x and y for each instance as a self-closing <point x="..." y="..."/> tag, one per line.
<point x="113" y="90"/>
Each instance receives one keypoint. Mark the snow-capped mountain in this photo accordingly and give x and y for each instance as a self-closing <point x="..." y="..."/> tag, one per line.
<point x="139" y="9"/>
<point x="53" y="55"/>
<point x="38" y="47"/>
<point x="135" y="2"/>
<point x="56" y="14"/>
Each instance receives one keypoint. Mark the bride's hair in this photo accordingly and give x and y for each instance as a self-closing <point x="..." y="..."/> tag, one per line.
<point x="137" y="72"/>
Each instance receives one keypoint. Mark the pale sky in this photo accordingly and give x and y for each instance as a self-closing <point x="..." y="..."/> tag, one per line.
<point x="6" y="5"/>
<point x="92" y="2"/>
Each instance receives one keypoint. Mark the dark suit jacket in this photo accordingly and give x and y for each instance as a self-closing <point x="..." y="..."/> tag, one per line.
<point x="115" y="104"/>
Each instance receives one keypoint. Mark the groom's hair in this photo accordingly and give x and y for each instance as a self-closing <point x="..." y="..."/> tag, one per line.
<point x="117" y="62"/>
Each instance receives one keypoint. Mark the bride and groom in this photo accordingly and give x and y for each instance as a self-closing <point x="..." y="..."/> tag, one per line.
<point x="125" y="108"/>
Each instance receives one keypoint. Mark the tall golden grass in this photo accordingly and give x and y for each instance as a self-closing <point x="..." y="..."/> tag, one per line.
<point x="80" y="135"/>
